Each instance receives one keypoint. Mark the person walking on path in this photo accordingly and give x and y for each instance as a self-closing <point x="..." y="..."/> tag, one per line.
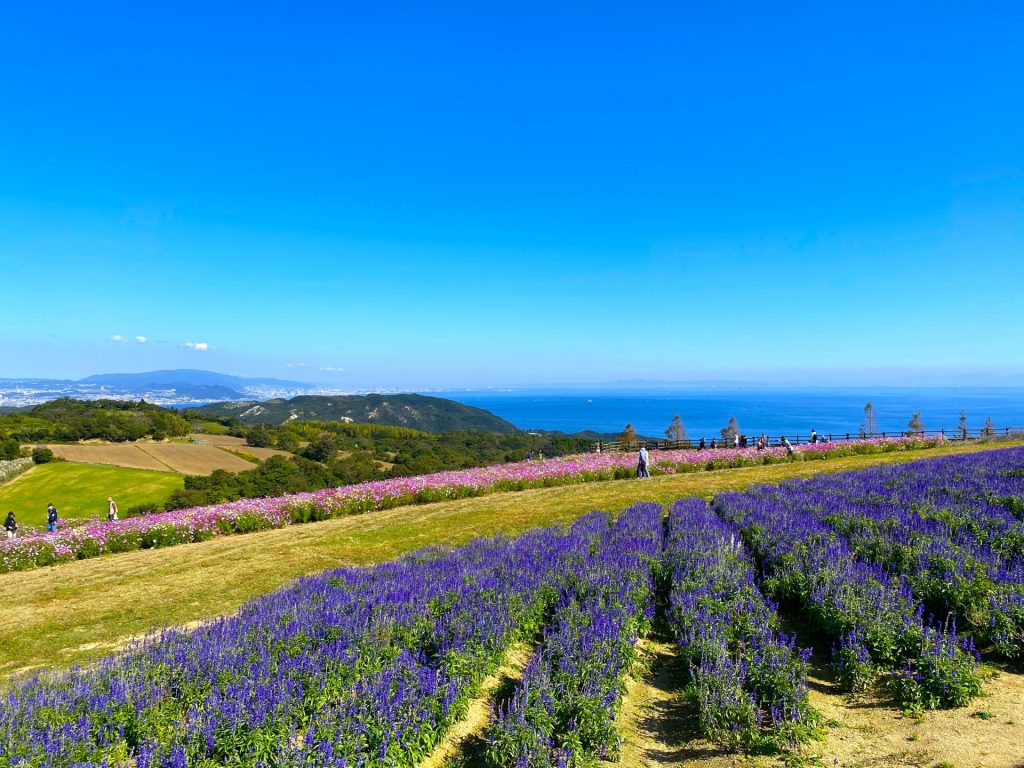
<point x="642" y="470"/>
<point x="814" y="436"/>
<point x="51" y="517"/>
<point x="10" y="525"/>
<point x="736" y="440"/>
<point x="111" y="509"/>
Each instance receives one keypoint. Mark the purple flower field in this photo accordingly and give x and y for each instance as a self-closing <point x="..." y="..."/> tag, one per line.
<point x="748" y="680"/>
<point x="908" y="569"/>
<point x="372" y="666"/>
<point x="77" y="542"/>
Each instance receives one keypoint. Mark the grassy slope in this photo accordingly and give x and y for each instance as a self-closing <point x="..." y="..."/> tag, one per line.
<point x="77" y="611"/>
<point x="81" y="490"/>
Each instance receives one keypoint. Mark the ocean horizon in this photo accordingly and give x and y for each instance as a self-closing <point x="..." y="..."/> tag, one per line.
<point x="791" y="412"/>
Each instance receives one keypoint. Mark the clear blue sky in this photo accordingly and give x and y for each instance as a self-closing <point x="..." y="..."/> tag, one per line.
<point x="465" y="194"/>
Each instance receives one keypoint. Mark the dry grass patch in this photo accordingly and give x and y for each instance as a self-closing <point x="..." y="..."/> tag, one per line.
<point x="237" y="445"/>
<point x="224" y="441"/>
<point x="118" y="455"/>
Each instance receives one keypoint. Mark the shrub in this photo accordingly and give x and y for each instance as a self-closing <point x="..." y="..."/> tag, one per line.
<point x="43" y="455"/>
<point x="147" y="508"/>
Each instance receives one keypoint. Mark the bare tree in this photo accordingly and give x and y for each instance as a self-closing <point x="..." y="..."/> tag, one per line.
<point x="730" y="430"/>
<point x="628" y="436"/>
<point x="870" y="426"/>
<point x="915" y="425"/>
<point x="676" y="432"/>
<point x="990" y="428"/>
<point x="962" y="426"/>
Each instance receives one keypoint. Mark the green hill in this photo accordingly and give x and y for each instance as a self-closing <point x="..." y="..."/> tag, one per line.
<point x="427" y="414"/>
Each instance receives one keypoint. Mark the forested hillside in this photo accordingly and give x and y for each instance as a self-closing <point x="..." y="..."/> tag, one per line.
<point x="67" y="420"/>
<point x="428" y="414"/>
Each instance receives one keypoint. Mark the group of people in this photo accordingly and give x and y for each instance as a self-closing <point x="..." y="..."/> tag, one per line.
<point x="11" y="522"/>
<point x="738" y="441"/>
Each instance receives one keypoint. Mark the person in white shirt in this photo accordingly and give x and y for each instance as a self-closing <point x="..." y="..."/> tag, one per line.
<point x="642" y="468"/>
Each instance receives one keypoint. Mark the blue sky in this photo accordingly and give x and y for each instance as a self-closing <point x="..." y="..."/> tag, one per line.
<point x="483" y="194"/>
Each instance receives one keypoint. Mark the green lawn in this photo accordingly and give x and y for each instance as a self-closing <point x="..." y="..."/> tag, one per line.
<point x="81" y="490"/>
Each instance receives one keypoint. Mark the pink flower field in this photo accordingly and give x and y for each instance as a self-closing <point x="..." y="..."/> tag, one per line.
<point x="185" y="526"/>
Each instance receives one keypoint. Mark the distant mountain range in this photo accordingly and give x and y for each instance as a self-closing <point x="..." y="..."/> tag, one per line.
<point x="174" y="387"/>
<point x="186" y="377"/>
<point x="428" y="414"/>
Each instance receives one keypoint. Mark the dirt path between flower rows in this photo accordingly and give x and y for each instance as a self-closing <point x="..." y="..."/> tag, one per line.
<point x="462" y="745"/>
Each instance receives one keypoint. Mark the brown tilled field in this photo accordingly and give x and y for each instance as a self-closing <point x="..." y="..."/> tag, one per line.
<point x="118" y="455"/>
<point x="195" y="459"/>
<point x="184" y="458"/>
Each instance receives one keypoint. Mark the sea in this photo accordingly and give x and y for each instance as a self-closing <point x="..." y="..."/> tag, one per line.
<point x="790" y="412"/>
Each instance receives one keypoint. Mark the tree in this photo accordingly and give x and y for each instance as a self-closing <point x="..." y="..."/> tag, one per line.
<point x="990" y="428"/>
<point x="676" y="432"/>
<point x="320" y="449"/>
<point x="870" y="426"/>
<point x="628" y="436"/>
<point x="259" y="437"/>
<point x="962" y="426"/>
<point x="730" y="430"/>
<point x="915" y="424"/>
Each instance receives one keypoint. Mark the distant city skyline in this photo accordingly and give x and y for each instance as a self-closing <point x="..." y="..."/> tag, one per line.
<point x="462" y="196"/>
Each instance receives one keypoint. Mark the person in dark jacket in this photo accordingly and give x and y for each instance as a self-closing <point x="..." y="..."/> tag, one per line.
<point x="10" y="525"/>
<point x="51" y="517"/>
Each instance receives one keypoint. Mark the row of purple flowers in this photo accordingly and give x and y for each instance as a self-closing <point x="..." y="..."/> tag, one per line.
<point x="952" y="527"/>
<point x="878" y="626"/>
<point x="748" y="680"/>
<point x="79" y="541"/>
<point x="563" y="712"/>
<point x="352" y="667"/>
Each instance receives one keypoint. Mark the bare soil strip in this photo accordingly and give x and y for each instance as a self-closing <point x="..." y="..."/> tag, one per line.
<point x="657" y="723"/>
<point x="865" y="731"/>
<point x="873" y="733"/>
